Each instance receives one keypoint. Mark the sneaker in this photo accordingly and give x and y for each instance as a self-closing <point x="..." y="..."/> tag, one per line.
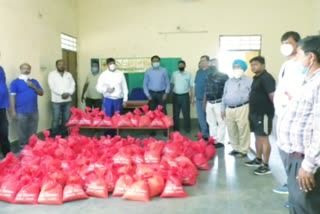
<point x="241" y="155"/>
<point x="218" y="145"/>
<point x="287" y="204"/>
<point x="262" y="170"/>
<point x="233" y="152"/>
<point x="282" y="190"/>
<point x="255" y="162"/>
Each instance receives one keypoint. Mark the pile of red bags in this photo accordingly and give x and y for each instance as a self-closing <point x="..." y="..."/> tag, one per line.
<point x="54" y="171"/>
<point x="96" y="118"/>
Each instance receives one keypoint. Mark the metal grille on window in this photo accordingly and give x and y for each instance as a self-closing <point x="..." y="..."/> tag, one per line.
<point x="68" y="42"/>
<point x="240" y="43"/>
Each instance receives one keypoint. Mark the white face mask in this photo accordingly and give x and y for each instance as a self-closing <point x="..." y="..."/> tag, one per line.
<point x="156" y="64"/>
<point x="237" y="73"/>
<point x="112" y="67"/>
<point x="24" y="77"/>
<point x="286" y="49"/>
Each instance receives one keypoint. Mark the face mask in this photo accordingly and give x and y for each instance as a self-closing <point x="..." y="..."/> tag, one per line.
<point x="181" y="68"/>
<point x="112" y="67"/>
<point x="286" y="49"/>
<point x="304" y="70"/>
<point x="24" y="77"/>
<point x="94" y="69"/>
<point x="156" y="64"/>
<point x="237" y="73"/>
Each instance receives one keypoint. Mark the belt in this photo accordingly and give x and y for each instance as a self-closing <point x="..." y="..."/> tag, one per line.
<point x="297" y="155"/>
<point x="237" y="106"/>
<point x="181" y="94"/>
<point x="157" y="92"/>
<point x="215" y="101"/>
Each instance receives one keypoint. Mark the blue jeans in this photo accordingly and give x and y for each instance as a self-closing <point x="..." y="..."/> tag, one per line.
<point x="60" y="116"/>
<point x="110" y="107"/>
<point x="202" y="119"/>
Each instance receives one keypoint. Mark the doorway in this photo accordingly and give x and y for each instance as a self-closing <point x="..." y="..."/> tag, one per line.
<point x="70" y="58"/>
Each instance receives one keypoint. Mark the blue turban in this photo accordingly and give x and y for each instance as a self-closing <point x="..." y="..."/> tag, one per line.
<point x="241" y="63"/>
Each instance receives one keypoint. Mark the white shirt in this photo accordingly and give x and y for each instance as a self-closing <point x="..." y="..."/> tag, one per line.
<point x="113" y="79"/>
<point x="289" y="84"/>
<point x="61" y="84"/>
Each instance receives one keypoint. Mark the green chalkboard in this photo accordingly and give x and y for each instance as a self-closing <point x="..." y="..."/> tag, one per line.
<point x="135" y="80"/>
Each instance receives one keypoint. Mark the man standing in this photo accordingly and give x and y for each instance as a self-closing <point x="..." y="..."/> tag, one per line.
<point x="200" y="79"/>
<point x="93" y="99"/>
<point x="299" y="133"/>
<point x="289" y="82"/>
<point x="112" y="84"/>
<point x="62" y="86"/>
<point x="24" y="93"/>
<point x="261" y="114"/>
<point x="4" y="105"/>
<point x="214" y="86"/>
<point x="235" y="109"/>
<point x="182" y="92"/>
<point x="156" y="84"/>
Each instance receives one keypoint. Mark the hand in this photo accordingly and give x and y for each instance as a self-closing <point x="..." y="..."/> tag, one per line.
<point x="149" y="98"/>
<point x="30" y="84"/>
<point x="306" y="180"/>
<point x="223" y="115"/>
<point x="110" y="90"/>
<point x="124" y="104"/>
<point x="164" y="97"/>
<point x="204" y="106"/>
<point x="65" y="96"/>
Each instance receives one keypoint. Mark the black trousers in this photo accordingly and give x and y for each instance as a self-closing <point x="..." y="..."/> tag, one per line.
<point x="5" y="145"/>
<point x="94" y="103"/>
<point x="302" y="202"/>
<point x="157" y="99"/>
<point x="181" y="102"/>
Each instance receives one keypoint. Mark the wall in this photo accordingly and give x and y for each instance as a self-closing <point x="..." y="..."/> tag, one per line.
<point x="126" y="28"/>
<point x="31" y="33"/>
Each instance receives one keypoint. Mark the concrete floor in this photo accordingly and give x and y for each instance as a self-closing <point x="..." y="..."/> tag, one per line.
<point x="228" y="188"/>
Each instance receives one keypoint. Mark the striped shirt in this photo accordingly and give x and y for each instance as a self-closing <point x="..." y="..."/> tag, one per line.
<point x="299" y="126"/>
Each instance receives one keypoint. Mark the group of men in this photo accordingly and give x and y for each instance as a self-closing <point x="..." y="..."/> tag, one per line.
<point x="239" y="104"/>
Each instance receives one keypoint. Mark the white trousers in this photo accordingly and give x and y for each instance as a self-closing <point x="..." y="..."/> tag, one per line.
<point x="217" y="126"/>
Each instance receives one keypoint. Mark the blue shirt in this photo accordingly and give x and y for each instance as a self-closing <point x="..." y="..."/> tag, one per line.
<point x="200" y="83"/>
<point x="156" y="80"/>
<point x="4" y="95"/>
<point x="26" y="97"/>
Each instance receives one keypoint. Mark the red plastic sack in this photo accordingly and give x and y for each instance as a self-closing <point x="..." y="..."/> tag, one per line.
<point x="144" y="121"/>
<point x="152" y="156"/>
<point x="139" y="191"/>
<point x="201" y="162"/>
<point x="144" y="171"/>
<point x="28" y="194"/>
<point x="9" y="189"/>
<point x="121" y="158"/>
<point x="156" y="185"/>
<point x="74" y="119"/>
<point x="157" y="123"/>
<point x="73" y="192"/>
<point x="105" y="121"/>
<point x="167" y="121"/>
<point x="122" y="185"/>
<point x="210" y="152"/>
<point x="173" y="188"/>
<point x="96" y="187"/>
<point x="51" y="193"/>
<point x="110" y="180"/>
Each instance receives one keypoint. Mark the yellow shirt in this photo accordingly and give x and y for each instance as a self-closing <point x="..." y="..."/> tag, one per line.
<point x="92" y="80"/>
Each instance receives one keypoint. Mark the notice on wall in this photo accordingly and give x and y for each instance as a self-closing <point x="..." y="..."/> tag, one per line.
<point x="128" y="65"/>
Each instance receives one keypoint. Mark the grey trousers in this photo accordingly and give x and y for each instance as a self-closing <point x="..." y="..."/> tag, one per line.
<point x="27" y="125"/>
<point x="302" y="203"/>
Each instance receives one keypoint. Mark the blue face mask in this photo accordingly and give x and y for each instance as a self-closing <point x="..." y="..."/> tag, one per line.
<point x="94" y="69"/>
<point x="304" y="70"/>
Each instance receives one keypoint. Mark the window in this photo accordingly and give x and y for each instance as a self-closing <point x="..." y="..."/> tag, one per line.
<point x="240" y="43"/>
<point x="68" y="42"/>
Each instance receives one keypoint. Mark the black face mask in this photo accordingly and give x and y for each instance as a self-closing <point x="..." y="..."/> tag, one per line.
<point x="181" y="68"/>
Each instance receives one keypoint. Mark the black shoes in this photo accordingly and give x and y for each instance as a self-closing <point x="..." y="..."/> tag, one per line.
<point x="254" y="163"/>
<point x="262" y="170"/>
<point x="218" y="145"/>
<point x="233" y="153"/>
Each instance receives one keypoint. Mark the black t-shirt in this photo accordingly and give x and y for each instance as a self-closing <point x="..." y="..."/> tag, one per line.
<point x="259" y="101"/>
